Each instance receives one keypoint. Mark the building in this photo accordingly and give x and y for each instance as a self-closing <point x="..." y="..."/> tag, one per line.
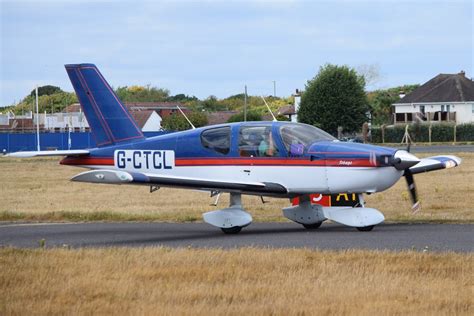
<point x="445" y="98"/>
<point x="291" y="110"/>
<point x="288" y="111"/>
<point x="219" y="117"/>
<point x="163" y="109"/>
<point x="146" y="114"/>
<point x="147" y="120"/>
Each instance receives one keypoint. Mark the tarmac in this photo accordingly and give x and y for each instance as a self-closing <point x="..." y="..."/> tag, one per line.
<point x="418" y="237"/>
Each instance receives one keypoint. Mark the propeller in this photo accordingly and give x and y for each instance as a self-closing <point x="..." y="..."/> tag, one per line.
<point x="403" y="160"/>
<point x="416" y="206"/>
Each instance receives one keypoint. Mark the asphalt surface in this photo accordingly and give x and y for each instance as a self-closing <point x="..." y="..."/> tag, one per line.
<point x="421" y="237"/>
<point x="439" y="148"/>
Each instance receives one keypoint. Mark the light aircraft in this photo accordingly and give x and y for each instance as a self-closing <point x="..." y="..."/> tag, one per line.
<point x="276" y="159"/>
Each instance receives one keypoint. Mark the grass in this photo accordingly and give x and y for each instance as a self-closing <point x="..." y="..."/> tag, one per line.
<point x="212" y="281"/>
<point x="40" y="190"/>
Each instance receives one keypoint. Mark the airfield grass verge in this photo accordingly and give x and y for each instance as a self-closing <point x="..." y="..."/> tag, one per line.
<point x="40" y="190"/>
<point x="233" y="282"/>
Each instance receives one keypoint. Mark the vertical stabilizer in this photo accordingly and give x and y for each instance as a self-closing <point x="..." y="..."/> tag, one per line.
<point x="109" y="120"/>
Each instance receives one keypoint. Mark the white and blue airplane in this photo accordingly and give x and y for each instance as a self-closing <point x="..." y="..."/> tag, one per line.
<point x="276" y="159"/>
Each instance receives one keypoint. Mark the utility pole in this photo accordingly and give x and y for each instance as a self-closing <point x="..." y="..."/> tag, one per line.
<point x="274" y="88"/>
<point x="37" y="122"/>
<point x="245" y="104"/>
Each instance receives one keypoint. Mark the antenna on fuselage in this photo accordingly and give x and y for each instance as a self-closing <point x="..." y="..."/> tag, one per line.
<point x="274" y="118"/>
<point x="186" y="117"/>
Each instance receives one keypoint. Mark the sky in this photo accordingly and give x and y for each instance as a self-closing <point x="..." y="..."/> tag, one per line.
<point x="205" y="48"/>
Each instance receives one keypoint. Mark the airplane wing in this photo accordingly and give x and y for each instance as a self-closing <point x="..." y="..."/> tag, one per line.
<point x="436" y="163"/>
<point x="124" y="177"/>
<point x="45" y="153"/>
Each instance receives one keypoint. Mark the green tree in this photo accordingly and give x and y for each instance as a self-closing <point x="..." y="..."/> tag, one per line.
<point x="55" y="102"/>
<point x="182" y="98"/>
<point x="142" y="94"/>
<point x="211" y="104"/>
<point x="381" y="101"/>
<point x="251" y="116"/>
<point x="177" y="122"/>
<point x="46" y="90"/>
<point x="334" y="97"/>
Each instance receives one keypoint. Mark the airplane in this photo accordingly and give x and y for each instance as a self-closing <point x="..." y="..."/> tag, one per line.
<point x="269" y="159"/>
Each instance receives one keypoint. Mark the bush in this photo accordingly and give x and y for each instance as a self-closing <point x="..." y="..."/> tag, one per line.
<point x="465" y="132"/>
<point x="239" y="117"/>
<point x="419" y="132"/>
<point x="442" y="132"/>
<point x="394" y="134"/>
<point x="376" y="134"/>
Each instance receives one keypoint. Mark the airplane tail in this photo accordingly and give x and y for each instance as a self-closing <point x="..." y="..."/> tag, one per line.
<point x="109" y="120"/>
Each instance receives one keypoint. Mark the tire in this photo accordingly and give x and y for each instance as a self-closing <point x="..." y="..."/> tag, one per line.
<point x="312" y="226"/>
<point x="365" y="228"/>
<point x="232" y="230"/>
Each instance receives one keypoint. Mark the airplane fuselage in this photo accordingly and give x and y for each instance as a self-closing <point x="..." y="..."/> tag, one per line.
<point x="326" y="166"/>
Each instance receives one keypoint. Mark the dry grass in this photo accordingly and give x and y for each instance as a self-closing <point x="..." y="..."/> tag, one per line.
<point x="256" y="281"/>
<point x="38" y="189"/>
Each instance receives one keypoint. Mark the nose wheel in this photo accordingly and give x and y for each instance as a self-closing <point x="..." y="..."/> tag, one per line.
<point x="365" y="228"/>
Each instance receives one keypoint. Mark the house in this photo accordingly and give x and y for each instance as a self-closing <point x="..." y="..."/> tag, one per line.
<point x="147" y="120"/>
<point x="288" y="111"/>
<point x="164" y="109"/>
<point x="219" y="117"/>
<point x="291" y="110"/>
<point x="445" y="98"/>
<point x="144" y="114"/>
<point x="10" y="122"/>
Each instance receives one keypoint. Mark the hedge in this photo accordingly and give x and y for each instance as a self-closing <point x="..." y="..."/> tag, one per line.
<point x="440" y="132"/>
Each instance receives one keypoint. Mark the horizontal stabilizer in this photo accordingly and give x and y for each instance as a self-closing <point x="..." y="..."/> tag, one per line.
<point x="45" y="153"/>
<point x="436" y="163"/>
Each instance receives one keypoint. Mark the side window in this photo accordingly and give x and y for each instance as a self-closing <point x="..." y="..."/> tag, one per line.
<point x="257" y="141"/>
<point x="217" y="139"/>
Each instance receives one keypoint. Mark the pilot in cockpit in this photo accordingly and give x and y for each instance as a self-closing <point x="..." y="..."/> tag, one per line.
<point x="266" y="147"/>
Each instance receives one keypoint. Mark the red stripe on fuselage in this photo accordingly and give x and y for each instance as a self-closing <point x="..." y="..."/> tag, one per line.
<point x="84" y="161"/>
<point x="191" y="162"/>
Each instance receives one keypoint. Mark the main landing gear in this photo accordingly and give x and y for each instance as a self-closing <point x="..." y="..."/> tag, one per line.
<point x="230" y="220"/>
<point x="312" y="226"/>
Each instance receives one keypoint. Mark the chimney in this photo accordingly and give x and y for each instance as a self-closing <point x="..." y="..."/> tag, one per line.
<point x="294" y="118"/>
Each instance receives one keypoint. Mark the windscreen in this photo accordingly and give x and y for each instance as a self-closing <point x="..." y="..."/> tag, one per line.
<point x="298" y="137"/>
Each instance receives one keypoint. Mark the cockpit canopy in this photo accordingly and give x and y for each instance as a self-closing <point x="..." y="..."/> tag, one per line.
<point x="263" y="139"/>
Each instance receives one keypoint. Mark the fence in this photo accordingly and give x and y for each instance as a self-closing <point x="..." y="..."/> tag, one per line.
<point x="439" y="132"/>
<point x="12" y="142"/>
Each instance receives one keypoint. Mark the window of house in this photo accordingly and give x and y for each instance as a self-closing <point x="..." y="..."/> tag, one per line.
<point x="217" y="139"/>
